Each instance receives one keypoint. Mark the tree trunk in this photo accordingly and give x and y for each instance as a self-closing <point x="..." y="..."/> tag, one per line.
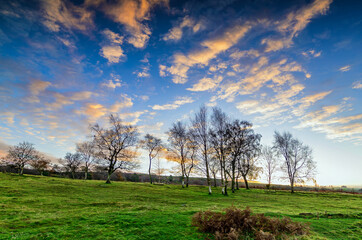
<point x="73" y="174"/>
<point x="233" y="179"/>
<point x="233" y="184"/>
<point x="225" y="186"/>
<point x="207" y="169"/>
<point x="183" y="181"/>
<point x="221" y="175"/>
<point x="86" y="173"/>
<point x="237" y="184"/>
<point x="109" y="177"/>
<point x="292" y="186"/>
<point x="187" y="181"/>
<point x="208" y="178"/>
<point x="21" y="170"/>
<point x="246" y="182"/>
<point x="149" y="169"/>
<point x="215" y="185"/>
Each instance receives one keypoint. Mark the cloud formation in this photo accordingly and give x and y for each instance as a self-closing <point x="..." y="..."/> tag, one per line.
<point x="205" y="84"/>
<point x="113" y="54"/>
<point x="345" y="68"/>
<point x="132" y="14"/>
<point x="209" y="49"/>
<point x="94" y="111"/>
<point x="176" y="104"/>
<point x="293" y="23"/>
<point x="340" y="128"/>
<point x="60" y="14"/>
<point x="176" y="32"/>
<point x="35" y="88"/>
<point x="357" y="85"/>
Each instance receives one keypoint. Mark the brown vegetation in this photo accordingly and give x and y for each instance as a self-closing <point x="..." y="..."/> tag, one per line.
<point x="242" y="224"/>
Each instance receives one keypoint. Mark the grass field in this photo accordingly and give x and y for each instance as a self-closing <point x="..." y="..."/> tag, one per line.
<point x="35" y="207"/>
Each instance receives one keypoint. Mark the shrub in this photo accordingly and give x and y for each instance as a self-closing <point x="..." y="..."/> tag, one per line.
<point x="237" y="224"/>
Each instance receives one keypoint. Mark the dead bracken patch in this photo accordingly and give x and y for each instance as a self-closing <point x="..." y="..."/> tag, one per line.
<point x="237" y="224"/>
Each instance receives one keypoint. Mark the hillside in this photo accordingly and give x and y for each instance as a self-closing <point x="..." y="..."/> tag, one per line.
<point x="36" y="207"/>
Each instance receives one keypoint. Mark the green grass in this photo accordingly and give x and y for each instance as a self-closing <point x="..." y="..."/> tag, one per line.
<point x="35" y="207"/>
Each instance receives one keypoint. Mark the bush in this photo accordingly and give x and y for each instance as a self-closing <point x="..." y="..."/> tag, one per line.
<point x="237" y="224"/>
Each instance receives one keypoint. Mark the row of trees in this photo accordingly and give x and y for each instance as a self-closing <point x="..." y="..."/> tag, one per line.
<point x="25" y="154"/>
<point x="212" y="145"/>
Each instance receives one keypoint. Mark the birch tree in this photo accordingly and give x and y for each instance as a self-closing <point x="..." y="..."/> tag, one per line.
<point x="250" y="152"/>
<point x="200" y="129"/>
<point x="218" y="135"/>
<point x="153" y="146"/>
<point x="270" y="163"/>
<point x="178" y="151"/>
<point x="88" y="155"/>
<point x="298" y="164"/>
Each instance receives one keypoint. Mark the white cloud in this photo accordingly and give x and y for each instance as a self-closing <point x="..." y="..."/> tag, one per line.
<point x="205" y="84"/>
<point x="63" y="13"/>
<point x="176" y="32"/>
<point x="144" y="98"/>
<point x="112" y="53"/>
<point x="162" y="70"/>
<point x="312" y="53"/>
<point x="176" y="104"/>
<point x="345" y="68"/>
<point x="35" y="88"/>
<point x="111" y="84"/>
<point x="357" y="85"/>
<point x="79" y="96"/>
<point x="144" y="72"/>
<point x="343" y="128"/>
<point x="113" y="37"/>
<point x="247" y="53"/>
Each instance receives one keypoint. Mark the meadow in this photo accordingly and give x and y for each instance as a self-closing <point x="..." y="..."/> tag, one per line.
<point x="38" y="207"/>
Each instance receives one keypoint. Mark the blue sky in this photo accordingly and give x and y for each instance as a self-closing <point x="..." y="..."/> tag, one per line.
<point x="283" y="65"/>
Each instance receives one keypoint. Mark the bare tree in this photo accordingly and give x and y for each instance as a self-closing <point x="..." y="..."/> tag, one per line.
<point x="200" y="129"/>
<point x="214" y="166"/>
<point x="71" y="162"/>
<point x="298" y="163"/>
<point x="251" y="150"/>
<point x="158" y="168"/>
<point x="21" y="154"/>
<point x="178" y="151"/>
<point x="243" y="147"/>
<point x="218" y="137"/>
<point x="40" y="164"/>
<point x="116" y="145"/>
<point x="191" y="159"/>
<point x="87" y="154"/>
<point x="153" y="146"/>
<point x="270" y="163"/>
<point x="235" y="144"/>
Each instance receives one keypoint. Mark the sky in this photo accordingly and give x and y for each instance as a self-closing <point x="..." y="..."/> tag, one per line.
<point x="282" y="65"/>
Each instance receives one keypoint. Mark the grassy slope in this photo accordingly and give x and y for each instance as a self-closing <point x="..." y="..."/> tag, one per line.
<point x="35" y="207"/>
